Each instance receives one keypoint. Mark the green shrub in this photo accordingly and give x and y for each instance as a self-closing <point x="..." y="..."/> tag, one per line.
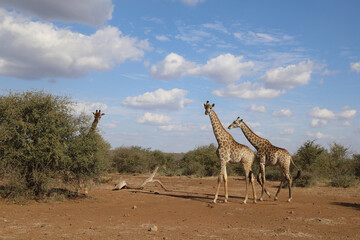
<point x="305" y="180"/>
<point x="40" y="140"/>
<point x="202" y="162"/>
<point x="344" y="181"/>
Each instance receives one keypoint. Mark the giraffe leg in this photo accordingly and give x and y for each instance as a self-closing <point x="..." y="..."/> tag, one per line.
<point x="218" y="188"/>
<point x="262" y="169"/>
<point x="289" y="179"/>
<point x="246" y="183"/>
<point x="225" y="186"/>
<point x="278" y="191"/>
<point x="253" y="186"/>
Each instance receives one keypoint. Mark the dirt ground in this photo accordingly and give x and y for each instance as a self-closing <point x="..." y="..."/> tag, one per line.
<point x="186" y="212"/>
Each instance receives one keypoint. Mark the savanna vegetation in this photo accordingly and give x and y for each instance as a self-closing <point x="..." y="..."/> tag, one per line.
<point x="45" y="146"/>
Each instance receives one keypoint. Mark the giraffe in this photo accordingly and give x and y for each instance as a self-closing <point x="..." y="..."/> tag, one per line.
<point x="268" y="155"/>
<point x="230" y="151"/>
<point x="97" y="115"/>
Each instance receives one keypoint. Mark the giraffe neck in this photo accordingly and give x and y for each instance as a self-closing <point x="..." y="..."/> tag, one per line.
<point x="220" y="133"/>
<point x="254" y="139"/>
<point x="94" y="125"/>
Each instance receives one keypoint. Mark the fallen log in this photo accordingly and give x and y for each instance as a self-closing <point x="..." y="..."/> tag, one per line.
<point x="122" y="184"/>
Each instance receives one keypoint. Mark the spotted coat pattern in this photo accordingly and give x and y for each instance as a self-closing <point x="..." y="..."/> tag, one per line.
<point x="230" y="151"/>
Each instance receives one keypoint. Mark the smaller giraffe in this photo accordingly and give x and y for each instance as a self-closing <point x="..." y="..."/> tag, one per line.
<point x="268" y="155"/>
<point x="230" y="151"/>
<point x="97" y="115"/>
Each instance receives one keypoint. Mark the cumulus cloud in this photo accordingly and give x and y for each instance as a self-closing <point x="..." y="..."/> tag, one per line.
<point x="253" y="124"/>
<point x="172" y="67"/>
<point x="247" y="90"/>
<point x="154" y="119"/>
<point x="282" y="113"/>
<point x="91" y="12"/>
<point x="289" y="77"/>
<point x="36" y="50"/>
<point x="318" y="122"/>
<point x="355" y="66"/>
<point x="345" y="114"/>
<point x="255" y="108"/>
<point x="321" y="113"/>
<point x="160" y="99"/>
<point x="162" y="38"/>
<point x="225" y="68"/>
<point x="89" y="107"/>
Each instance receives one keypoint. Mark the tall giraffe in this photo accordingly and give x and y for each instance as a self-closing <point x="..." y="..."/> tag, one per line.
<point x="268" y="155"/>
<point x="230" y="151"/>
<point x="97" y="115"/>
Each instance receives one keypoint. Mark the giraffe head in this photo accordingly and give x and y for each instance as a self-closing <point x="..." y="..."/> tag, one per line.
<point x="208" y="107"/>
<point x="97" y="114"/>
<point x="236" y="123"/>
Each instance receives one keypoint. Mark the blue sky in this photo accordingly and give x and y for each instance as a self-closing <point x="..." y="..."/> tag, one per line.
<point x="290" y="69"/>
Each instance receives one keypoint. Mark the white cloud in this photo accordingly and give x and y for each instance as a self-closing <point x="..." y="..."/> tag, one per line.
<point x="92" y="12"/>
<point x="172" y="67"/>
<point x="255" y="108"/>
<point x="319" y="135"/>
<point x="247" y="90"/>
<point x="330" y="115"/>
<point x="347" y="113"/>
<point x="35" y="50"/>
<point x="289" y="77"/>
<point x="321" y="113"/>
<point x="160" y="99"/>
<point x="288" y="131"/>
<point x="89" y="107"/>
<point x="224" y="68"/>
<point x="318" y="122"/>
<point x="192" y="2"/>
<point x="282" y="113"/>
<point x="355" y="66"/>
<point x="154" y="119"/>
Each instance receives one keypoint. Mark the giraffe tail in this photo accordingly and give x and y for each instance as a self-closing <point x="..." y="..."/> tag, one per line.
<point x="299" y="171"/>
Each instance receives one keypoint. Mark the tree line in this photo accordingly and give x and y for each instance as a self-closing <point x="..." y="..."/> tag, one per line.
<point x="45" y="146"/>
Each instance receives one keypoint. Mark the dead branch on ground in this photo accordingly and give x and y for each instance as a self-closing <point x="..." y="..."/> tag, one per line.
<point x="123" y="184"/>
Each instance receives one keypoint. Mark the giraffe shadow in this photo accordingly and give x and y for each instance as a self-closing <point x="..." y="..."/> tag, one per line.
<point x="200" y="197"/>
<point x="349" y="205"/>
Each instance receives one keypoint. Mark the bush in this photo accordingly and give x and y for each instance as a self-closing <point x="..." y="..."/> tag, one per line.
<point x="201" y="162"/>
<point x="41" y="142"/>
<point x="136" y="159"/>
<point x="305" y="180"/>
<point x="344" y="181"/>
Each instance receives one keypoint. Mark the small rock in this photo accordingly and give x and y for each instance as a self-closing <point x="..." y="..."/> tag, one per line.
<point x="134" y="207"/>
<point x="210" y="205"/>
<point x="291" y="212"/>
<point x="153" y="228"/>
<point x="126" y="215"/>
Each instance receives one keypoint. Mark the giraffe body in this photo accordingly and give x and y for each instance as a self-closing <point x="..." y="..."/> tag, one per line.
<point x="268" y="155"/>
<point x="230" y="151"/>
